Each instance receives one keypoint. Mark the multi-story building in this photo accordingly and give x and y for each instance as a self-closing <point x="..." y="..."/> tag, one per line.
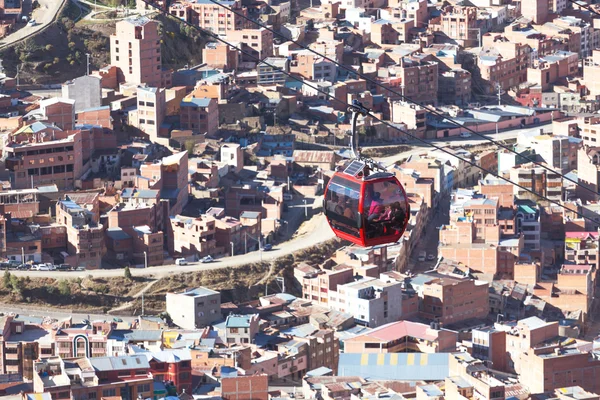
<point x="85" y="235"/>
<point x="196" y="308"/>
<point x="581" y="248"/>
<point x="312" y="67"/>
<point x="271" y="71"/>
<point x="20" y="346"/>
<point x="588" y="173"/>
<point x="502" y="62"/>
<point x="58" y="112"/>
<point x="256" y="43"/>
<point x="241" y="328"/>
<point x="150" y="112"/>
<point x="559" y="152"/>
<point x="410" y="114"/>
<point x="403" y="337"/>
<point x="450" y="300"/>
<point x="210" y="16"/>
<point x="200" y="115"/>
<point x="219" y="55"/>
<point x="535" y="10"/>
<point x="37" y="155"/>
<point x="129" y="377"/>
<point x="85" y="90"/>
<point x="371" y="301"/>
<point x="173" y="366"/>
<point x="459" y="25"/>
<point x="537" y="179"/>
<point x="318" y="284"/>
<point x="87" y="340"/>
<point x="527" y="223"/>
<point x="591" y="69"/>
<point x="413" y="77"/>
<point x="191" y="236"/>
<point x="135" y="50"/>
<point x="454" y="87"/>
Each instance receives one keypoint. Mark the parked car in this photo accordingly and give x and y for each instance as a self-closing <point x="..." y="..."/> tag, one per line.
<point x="64" y="267"/>
<point x="207" y="259"/>
<point x="181" y="261"/>
<point x="465" y="135"/>
<point x="43" y="267"/>
<point x="267" y="247"/>
<point x="422" y="256"/>
<point x="35" y="267"/>
<point x="24" y="267"/>
<point x="32" y="22"/>
<point x="430" y="257"/>
<point x="288" y="197"/>
<point x="80" y="269"/>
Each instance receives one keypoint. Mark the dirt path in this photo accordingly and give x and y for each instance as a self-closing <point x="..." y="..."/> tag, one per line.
<point x="135" y="296"/>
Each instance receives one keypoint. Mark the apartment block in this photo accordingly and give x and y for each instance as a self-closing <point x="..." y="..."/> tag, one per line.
<point x="219" y="55"/>
<point x="318" y="284"/>
<point x="581" y="248"/>
<point x="459" y="25"/>
<point x="537" y="179"/>
<point x="258" y="43"/>
<point x="85" y="236"/>
<point x="192" y="236"/>
<point x="38" y="155"/>
<point x="196" y="308"/>
<point x="588" y="173"/>
<point x="200" y="115"/>
<point x="412" y="115"/>
<point x="135" y="50"/>
<point x="535" y="10"/>
<point x="150" y="112"/>
<point x="270" y="71"/>
<point x="502" y="62"/>
<point x="210" y="16"/>
<point x="413" y="77"/>
<point x="450" y="300"/>
<point x="371" y="301"/>
<point x="58" y="112"/>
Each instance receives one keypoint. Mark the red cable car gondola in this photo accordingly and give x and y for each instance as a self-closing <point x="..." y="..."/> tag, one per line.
<point x="365" y="208"/>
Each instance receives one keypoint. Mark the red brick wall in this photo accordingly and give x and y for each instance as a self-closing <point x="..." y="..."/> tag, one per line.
<point x="245" y="388"/>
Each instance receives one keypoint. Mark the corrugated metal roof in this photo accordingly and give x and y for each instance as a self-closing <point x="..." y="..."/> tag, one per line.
<point x="119" y="363"/>
<point x="395" y="366"/>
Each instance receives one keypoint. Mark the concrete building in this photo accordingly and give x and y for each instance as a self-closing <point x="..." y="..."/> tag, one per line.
<point x="403" y="337"/>
<point x="591" y="69"/>
<point x="539" y="180"/>
<point x="535" y="10"/>
<point x="38" y="154"/>
<point x="270" y="71"/>
<point x="414" y="77"/>
<point x="233" y="155"/>
<point x="150" y="112"/>
<point x="502" y="62"/>
<point x="85" y="235"/>
<point x="459" y="25"/>
<point x="588" y="173"/>
<point x="371" y="301"/>
<point x="192" y="236"/>
<point x="241" y="328"/>
<point x="220" y="55"/>
<point x="559" y="152"/>
<point x="581" y="248"/>
<point x="257" y="43"/>
<point x="527" y="223"/>
<point x="200" y="115"/>
<point x="410" y="114"/>
<point x="215" y="19"/>
<point x="85" y="90"/>
<point x="58" y="112"/>
<point x="449" y="300"/>
<point x="194" y="308"/>
<point x="135" y="50"/>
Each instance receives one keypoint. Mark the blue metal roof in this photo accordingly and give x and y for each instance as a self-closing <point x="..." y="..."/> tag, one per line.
<point x="395" y="366"/>
<point x="196" y="102"/>
<point x="238" y="321"/>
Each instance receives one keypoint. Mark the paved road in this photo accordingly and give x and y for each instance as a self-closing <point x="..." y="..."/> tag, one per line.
<point x="319" y="234"/>
<point x="43" y="15"/>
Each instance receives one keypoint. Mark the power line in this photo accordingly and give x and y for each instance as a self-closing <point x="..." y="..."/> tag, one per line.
<point x="442" y="149"/>
<point x="407" y="99"/>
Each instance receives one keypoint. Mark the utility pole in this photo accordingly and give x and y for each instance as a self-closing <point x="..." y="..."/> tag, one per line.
<point x="231" y="243"/>
<point x="87" y="55"/>
<point x="305" y="209"/>
<point x="32" y="181"/>
<point x="245" y="242"/>
<point x="22" y="255"/>
<point x="145" y="260"/>
<point x="18" y="70"/>
<point x="499" y="87"/>
<point x="142" y="303"/>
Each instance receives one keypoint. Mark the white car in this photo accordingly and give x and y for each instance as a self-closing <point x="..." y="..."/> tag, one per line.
<point x="430" y="257"/>
<point x="32" y="22"/>
<point x="181" y="261"/>
<point x="43" y="268"/>
<point x="465" y="135"/>
<point x="207" y="259"/>
<point x="35" y="267"/>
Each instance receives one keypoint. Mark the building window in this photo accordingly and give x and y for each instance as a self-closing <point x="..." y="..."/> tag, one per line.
<point x="109" y="392"/>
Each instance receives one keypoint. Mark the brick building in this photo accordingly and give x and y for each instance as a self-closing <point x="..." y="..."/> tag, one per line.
<point x="135" y="50"/>
<point x="200" y="115"/>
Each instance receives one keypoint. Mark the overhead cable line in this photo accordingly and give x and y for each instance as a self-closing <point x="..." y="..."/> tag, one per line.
<point x="425" y="142"/>
<point x="404" y="97"/>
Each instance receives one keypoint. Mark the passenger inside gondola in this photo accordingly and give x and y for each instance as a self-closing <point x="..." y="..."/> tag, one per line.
<point x="385" y="216"/>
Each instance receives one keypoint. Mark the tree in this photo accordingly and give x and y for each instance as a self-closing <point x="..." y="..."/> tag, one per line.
<point x="49" y="47"/>
<point x="6" y="279"/>
<point x="189" y="146"/>
<point x="128" y="273"/>
<point x="16" y="283"/>
<point x="71" y="45"/>
<point x="79" y="283"/>
<point x="64" y="287"/>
